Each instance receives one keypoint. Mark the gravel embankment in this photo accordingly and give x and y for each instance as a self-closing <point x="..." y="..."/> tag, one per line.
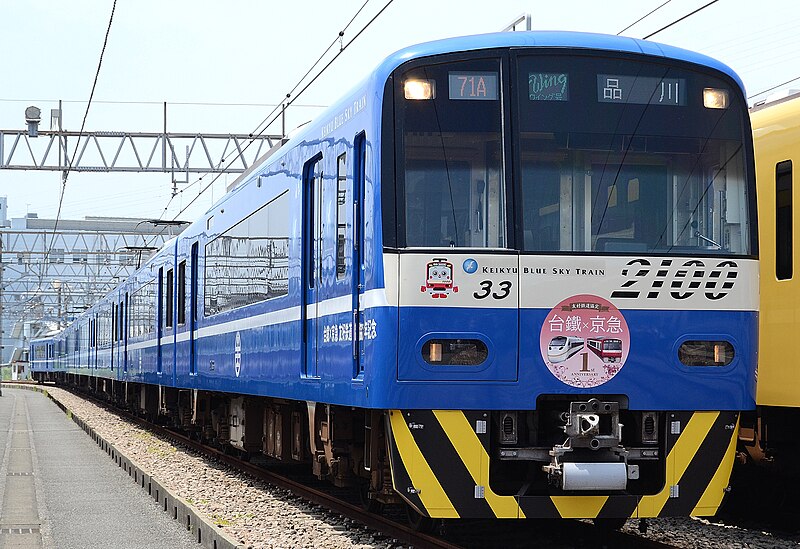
<point x="255" y="514"/>
<point x="263" y="516"/>
<point x="701" y="533"/>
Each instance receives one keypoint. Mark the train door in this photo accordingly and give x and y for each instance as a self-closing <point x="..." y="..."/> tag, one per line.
<point x="181" y="339"/>
<point x="359" y="181"/>
<point x="114" y="331"/>
<point x="312" y="262"/>
<point x="90" y="345"/>
<point x="159" y="321"/>
<point x="169" y="323"/>
<point x="118" y="346"/>
<point x="125" y="313"/>
<point x="95" y="339"/>
<point x="93" y="350"/>
<point x="193" y="286"/>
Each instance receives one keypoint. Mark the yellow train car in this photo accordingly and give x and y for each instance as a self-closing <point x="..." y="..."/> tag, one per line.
<point x="776" y="131"/>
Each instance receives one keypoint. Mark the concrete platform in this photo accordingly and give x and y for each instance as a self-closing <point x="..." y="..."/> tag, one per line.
<point x="59" y="489"/>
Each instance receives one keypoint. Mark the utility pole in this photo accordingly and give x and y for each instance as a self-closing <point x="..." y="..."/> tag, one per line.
<point x="2" y="291"/>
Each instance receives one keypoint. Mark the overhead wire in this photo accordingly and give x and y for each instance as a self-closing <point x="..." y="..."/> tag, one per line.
<point x="665" y="27"/>
<point x="774" y="87"/>
<point x="675" y="22"/>
<point x="290" y="98"/>
<point x="268" y="120"/>
<point x="66" y="173"/>
<point x="182" y="103"/>
<point x="338" y="38"/>
<point x="645" y="16"/>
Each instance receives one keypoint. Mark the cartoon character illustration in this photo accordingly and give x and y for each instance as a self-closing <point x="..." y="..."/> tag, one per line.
<point x="440" y="278"/>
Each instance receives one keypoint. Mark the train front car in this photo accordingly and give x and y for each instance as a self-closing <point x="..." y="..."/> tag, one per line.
<point x="583" y="188"/>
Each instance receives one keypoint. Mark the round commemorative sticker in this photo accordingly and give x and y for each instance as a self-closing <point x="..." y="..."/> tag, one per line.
<point x="584" y="341"/>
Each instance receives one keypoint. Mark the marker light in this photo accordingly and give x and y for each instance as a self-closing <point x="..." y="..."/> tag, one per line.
<point x="714" y="98"/>
<point x="419" y="89"/>
<point x="706" y="353"/>
<point x="455" y="352"/>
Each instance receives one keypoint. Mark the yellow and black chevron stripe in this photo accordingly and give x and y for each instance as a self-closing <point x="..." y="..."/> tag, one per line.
<point x="440" y="464"/>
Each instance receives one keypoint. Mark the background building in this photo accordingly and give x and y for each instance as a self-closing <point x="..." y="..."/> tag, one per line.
<point x="52" y="271"/>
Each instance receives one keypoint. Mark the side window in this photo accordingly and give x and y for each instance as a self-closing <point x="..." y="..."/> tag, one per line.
<point x="341" y="215"/>
<point x="142" y="310"/>
<point x="168" y="298"/>
<point x="249" y="262"/>
<point x="783" y="220"/>
<point x="182" y="293"/>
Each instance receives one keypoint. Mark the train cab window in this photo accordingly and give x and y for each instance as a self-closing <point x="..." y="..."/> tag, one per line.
<point x="168" y="299"/>
<point x="341" y="214"/>
<point x="450" y="154"/>
<point x="181" y="293"/>
<point x="783" y="220"/>
<point x="647" y="167"/>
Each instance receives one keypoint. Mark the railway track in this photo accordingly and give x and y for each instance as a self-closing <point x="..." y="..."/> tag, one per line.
<point x="463" y="534"/>
<point x="324" y="497"/>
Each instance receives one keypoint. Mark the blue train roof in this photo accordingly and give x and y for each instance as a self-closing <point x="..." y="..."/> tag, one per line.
<point x="552" y="39"/>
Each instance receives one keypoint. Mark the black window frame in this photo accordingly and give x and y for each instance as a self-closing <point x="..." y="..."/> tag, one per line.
<point x="181" y="293"/>
<point x="784" y="246"/>
<point x="169" y="294"/>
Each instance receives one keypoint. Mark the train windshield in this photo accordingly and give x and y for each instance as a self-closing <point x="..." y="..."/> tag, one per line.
<point x="451" y="128"/>
<point x="621" y="156"/>
<point x="610" y="155"/>
<point x="612" y="345"/>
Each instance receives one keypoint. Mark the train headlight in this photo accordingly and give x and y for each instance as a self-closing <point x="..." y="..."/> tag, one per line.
<point x="419" y="89"/>
<point x="714" y="98"/>
<point x="455" y="352"/>
<point x="706" y="353"/>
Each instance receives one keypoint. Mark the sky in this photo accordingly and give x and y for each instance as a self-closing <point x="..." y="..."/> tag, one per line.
<point x="222" y="66"/>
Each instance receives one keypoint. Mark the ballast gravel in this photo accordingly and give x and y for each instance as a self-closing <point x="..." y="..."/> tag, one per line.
<point x="258" y="515"/>
<point x="253" y="513"/>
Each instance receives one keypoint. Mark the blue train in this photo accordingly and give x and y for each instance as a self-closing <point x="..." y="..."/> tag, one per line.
<point x="387" y="295"/>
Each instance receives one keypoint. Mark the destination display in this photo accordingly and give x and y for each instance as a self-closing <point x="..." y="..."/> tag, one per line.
<point x="468" y="85"/>
<point x="641" y="90"/>
<point x="548" y="86"/>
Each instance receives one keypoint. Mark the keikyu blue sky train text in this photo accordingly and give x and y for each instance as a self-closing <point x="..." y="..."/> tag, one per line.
<point x="385" y="297"/>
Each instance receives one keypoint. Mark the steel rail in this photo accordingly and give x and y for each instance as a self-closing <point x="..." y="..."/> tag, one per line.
<point x="377" y="522"/>
<point x="384" y="525"/>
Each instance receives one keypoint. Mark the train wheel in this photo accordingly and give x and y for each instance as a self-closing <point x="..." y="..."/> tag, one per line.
<point x="368" y="504"/>
<point x="418" y="522"/>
